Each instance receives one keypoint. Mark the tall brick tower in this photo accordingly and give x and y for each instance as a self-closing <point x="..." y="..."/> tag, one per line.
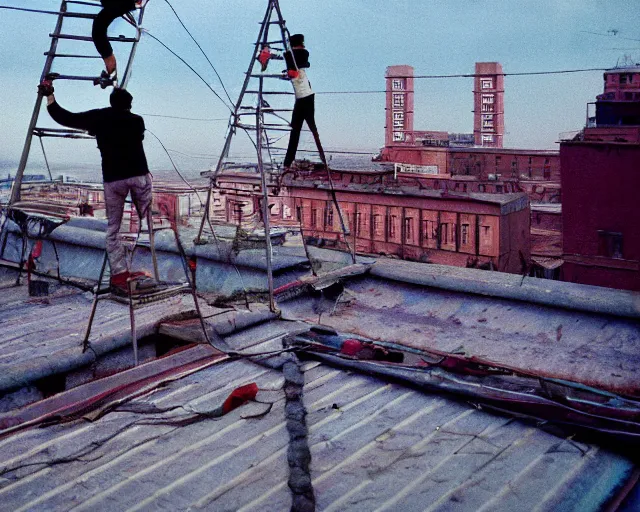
<point x="488" y="105"/>
<point x="399" y="108"/>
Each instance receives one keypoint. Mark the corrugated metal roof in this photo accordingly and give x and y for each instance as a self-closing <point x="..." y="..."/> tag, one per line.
<point x="375" y="446"/>
<point x="597" y="350"/>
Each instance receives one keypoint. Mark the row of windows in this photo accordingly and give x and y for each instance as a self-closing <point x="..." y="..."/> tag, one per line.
<point x="411" y="230"/>
<point x="625" y="78"/>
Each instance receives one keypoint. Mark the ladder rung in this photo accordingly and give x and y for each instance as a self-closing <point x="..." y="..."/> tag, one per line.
<point x="85" y="15"/>
<point x="61" y="132"/>
<point x="253" y="127"/>
<point x="88" y="38"/>
<point x="74" y="77"/>
<point x="252" y="114"/>
<point x="270" y="92"/>
<point x="280" y="76"/>
<point x="71" y="55"/>
<point x="267" y="110"/>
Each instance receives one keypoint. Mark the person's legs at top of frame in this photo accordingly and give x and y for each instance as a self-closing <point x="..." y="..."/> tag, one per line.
<point x="112" y="9"/>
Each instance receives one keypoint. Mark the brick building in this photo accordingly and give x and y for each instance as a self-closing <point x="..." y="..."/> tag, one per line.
<point x="488" y="105"/>
<point x="468" y="230"/>
<point x="600" y="180"/>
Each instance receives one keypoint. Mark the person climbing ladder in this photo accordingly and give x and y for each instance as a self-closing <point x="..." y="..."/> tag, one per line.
<point x="119" y="134"/>
<point x="304" y="108"/>
<point x="111" y="9"/>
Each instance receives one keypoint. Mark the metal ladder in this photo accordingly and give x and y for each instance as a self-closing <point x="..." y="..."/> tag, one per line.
<point x="51" y="55"/>
<point x="265" y="119"/>
<point x="156" y="295"/>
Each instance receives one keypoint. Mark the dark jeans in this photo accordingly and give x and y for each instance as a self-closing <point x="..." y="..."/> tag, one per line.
<point x="303" y="110"/>
<point x="112" y="9"/>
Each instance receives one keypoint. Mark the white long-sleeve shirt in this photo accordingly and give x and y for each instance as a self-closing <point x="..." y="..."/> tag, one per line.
<point x="301" y="85"/>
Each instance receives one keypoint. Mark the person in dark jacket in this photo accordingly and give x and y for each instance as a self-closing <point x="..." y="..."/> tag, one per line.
<point x="119" y="134"/>
<point x="112" y="9"/>
<point x="304" y="108"/>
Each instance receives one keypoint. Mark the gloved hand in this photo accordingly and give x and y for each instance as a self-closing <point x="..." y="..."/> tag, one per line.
<point x="293" y="73"/>
<point x="46" y="87"/>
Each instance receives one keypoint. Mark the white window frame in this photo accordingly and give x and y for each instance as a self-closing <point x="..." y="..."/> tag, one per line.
<point x="397" y="84"/>
<point x="486" y="83"/>
<point x="398" y="136"/>
<point x="398" y="100"/>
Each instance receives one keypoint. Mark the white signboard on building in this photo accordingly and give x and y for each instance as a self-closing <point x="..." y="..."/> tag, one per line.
<point x="416" y="169"/>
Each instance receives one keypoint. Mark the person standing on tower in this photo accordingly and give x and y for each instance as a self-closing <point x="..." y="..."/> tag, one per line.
<point x="304" y="108"/>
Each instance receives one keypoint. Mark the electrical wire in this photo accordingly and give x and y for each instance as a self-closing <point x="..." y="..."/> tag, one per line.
<point x="188" y="118"/>
<point x="201" y="157"/>
<point x="201" y="50"/>
<point x="24" y="9"/>
<point x="176" y="168"/>
<point x="332" y="152"/>
<point x="145" y="31"/>
<point x="609" y="35"/>
<point x="206" y="214"/>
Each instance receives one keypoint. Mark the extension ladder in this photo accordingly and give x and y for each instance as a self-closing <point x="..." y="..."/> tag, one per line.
<point x="51" y="55"/>
<point x="251" y="117"/>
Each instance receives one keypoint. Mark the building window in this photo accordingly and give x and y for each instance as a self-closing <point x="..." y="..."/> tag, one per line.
<point x="398" y="136"/>
<point x="626" y="78"/>
<point x="408" y="229"/>
<point x="610" y="244"/>
<point x="397" y="116"/>
<point x="487" y="138"/>
<point x="392" y="226"/>
<point x="429" y="231"/>
<point x="328" y="217"/>
<point x="444" y="233"/>
<point x="487" y="99"/>
<point x="397" y="84"/>
<point x="314" y="217"/>
<point x="464" y="234"/>
<point x="487" y="124"/>
<point x="358" y="223"/>
<point x="398" y="123"/>
<point x="378" y="225"/>
<point x="498" y="189"/>
<point x="487" y="83"/>
<point x="487" y="108"/>
<point x="398" y="101"/>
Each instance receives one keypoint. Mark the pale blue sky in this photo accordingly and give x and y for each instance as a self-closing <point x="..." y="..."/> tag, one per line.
<point x="351" y="42"/>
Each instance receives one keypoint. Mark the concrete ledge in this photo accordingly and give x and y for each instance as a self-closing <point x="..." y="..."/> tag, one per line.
<point x="80" y="249"/>
<point x="580" y="297"/>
